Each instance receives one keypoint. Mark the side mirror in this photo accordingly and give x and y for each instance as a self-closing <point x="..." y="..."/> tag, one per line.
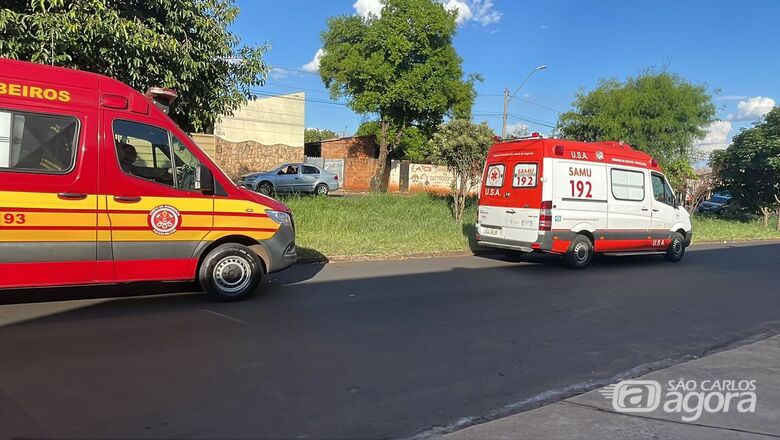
<point x="204" y="180"/>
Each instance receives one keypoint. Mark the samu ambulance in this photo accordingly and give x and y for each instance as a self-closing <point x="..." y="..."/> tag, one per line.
<point x="99" y="185"/>
<point x="575" y="198"/>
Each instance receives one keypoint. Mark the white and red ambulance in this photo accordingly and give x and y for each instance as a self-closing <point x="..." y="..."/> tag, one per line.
<point x="576" y="198"/>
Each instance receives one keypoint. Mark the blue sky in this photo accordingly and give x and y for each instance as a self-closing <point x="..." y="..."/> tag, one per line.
<point x="726" y="46"/>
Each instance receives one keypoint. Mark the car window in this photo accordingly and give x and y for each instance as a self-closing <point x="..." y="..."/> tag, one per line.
<point x="144" y="151"/>
<point x="37" y="142"/>
<point x="310" y="170"/>
<point x="288" y="169"/>
<point x="718" y="200"/>
<point x="662" y="192"/>
<point x="628" y="185"/>
<point x="186" y="163"/>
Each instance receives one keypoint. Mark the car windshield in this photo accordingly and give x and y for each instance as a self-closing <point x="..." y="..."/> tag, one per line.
<point x="719" y="200"/>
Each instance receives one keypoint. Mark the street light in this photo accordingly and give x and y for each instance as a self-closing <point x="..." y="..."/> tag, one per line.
<point x="507" y="97"/>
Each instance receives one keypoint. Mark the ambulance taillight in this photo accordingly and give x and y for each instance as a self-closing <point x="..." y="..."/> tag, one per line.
<point x="545" y="216"/>
<point x="161" y="97"/>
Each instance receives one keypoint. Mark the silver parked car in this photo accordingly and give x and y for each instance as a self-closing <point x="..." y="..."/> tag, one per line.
<point x="292" y="177"/>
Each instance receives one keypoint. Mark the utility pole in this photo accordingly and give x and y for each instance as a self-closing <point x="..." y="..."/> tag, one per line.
<point x="508" y="97"/>
<point x="506" y="110"/>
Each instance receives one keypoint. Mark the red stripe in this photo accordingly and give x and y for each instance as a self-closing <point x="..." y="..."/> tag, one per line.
<point x="128" y="228"/>
<point x="121" y="211"/>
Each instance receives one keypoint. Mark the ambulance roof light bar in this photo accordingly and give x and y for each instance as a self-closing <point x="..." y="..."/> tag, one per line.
<point x="161" y="97"/>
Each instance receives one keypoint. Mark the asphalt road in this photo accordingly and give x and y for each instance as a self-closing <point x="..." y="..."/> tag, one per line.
<point x="367" y="350"/>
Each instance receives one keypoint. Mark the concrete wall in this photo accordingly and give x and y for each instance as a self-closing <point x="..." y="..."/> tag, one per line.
<point x="206" y="143"/>
<point x="267" y="121"/>
<point x="426" y="178"/>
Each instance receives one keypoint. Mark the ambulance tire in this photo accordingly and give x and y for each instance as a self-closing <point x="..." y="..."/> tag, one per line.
<point x="230" y="272"/>
<point x="676" y="249"/>
<point x="579" y="254"/>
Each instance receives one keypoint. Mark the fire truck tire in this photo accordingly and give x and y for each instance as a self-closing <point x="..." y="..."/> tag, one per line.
<point x="230" y="272"/>
<point x="676" y="249"/>
<point x="579" y="254"/>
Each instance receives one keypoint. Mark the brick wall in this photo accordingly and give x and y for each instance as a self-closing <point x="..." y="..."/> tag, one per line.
<point x="358" y="146"/>
<point x="238" y="158"/>
<point x="358" y="172"/>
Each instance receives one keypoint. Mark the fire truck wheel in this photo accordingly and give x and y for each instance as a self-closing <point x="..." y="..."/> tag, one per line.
<point x="230" y="272"/>
<point x="580" y="253"/>
<point x="676" y="248"/>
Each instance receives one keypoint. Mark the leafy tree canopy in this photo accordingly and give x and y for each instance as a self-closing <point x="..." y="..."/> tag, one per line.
<point x="318" y="135"/>
<point x="412" y="145"/>
<point x="401" y="66"/>
<point x="659" y="113"/>
<point x="750" y="167"/>
<point x="462" y="145"/>
<point x="181" y="44"/>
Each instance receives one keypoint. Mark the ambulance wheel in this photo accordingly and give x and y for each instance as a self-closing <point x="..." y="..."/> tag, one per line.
<point x="676" y="249"/>
<point x="265" y="188"/>
<point x="321" y="189"/>
<point x="230" y="272"/>
<point x="580" y="253"/>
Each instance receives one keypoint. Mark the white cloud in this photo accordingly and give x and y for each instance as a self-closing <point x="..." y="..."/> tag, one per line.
<point x="753" y="109"/>
<point x="718" y="136"/>
<point x="364" y="8"/>
<point x="518" y="130"/>
<point x="480" y="11"/>
<point x="463" y="10"/>
<point x="314" y="65"/>
<point x="484" y="12"/>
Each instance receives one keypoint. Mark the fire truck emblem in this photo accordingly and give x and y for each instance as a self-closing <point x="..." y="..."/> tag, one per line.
<point x="164" y="220"/>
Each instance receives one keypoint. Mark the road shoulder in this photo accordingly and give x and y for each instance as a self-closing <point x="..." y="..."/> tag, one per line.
<point x="592" y="416"/>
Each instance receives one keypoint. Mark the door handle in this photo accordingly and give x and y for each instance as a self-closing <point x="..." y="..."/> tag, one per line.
<point x="655" y="210"/>
<point x="127" y="199"/>
<point x="645" y="209"/>
<point x="71" y="196"/>
<point x="510" y="211"/>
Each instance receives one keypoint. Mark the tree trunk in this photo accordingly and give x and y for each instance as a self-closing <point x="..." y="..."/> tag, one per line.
<point x="462" y="194"/>
<point x="379" y="182"/>
<point x="765" y="212"/>
<point x="778" y="219"/>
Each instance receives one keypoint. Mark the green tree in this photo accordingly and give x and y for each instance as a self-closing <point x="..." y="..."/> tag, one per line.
<point x="400" y="66"/>
<point x="412" y="145"/>
<point x="750" y="167"/>
<point x="462" y="145"/>
<point x="181" y="44"/>
<point x="659" y="113"/>
<point x="318" y="135"/>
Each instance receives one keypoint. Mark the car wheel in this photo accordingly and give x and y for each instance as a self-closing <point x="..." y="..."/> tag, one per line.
<point x="265" y="188"/>
<point x="230" y="272"/>
<point x="676" y="249"/>
<point x="321" y="190"/>
<point x="579" y="254"/>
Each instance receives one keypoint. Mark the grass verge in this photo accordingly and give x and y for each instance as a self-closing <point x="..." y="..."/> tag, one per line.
<point x="376" y="226"/>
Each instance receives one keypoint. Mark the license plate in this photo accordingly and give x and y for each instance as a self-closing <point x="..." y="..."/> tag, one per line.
<point x="486" y="230"/>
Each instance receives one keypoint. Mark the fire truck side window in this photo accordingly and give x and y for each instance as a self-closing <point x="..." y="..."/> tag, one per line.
<point x="186" y="163"/>
<point x="144" y="151"/>
<point x="37" y="143"/>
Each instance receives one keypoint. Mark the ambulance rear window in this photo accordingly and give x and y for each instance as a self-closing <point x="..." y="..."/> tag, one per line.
<point x="37" y="143"/>
<point x="494" y="175"/>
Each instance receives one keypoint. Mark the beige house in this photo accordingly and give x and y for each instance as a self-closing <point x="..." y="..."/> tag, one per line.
<point x="267" y="121"/>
